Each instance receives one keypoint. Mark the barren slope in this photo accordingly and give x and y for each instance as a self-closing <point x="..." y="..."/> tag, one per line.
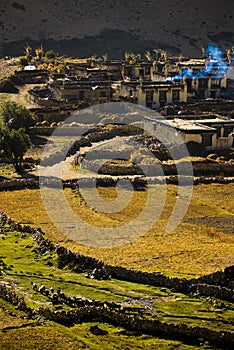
<point x="117" y="25"/>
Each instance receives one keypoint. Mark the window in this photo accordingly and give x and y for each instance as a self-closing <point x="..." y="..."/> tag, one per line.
<point x="207" y="139"/>
<point x="149" y="98"/>
<point x="149" y="95"/>
<point x="189" y="85"/>
<point x="175" y="95"/>
<point x="227" y="130"/>
<point x="147" y="70"/>
<point x="218" y="131"/>
<point x="215" y="83"/>
<point x="162" y="96"/>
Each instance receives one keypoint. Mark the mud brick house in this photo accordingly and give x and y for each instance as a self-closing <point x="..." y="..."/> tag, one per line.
<point x="35" y="76"/>
<point x="216" y="133"/>
<point x="82" y="90"/>
<point x="153" y="94"/>
<point x="207" y="86"/>
<point x="137" y="71"/>
<point x="112" y="68"/>
<point x="95" y="69"/>
<point x="224" y="136"/>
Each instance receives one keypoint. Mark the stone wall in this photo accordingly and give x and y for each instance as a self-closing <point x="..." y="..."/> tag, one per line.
<point x="207" y="285"/>
<point x="131" y="318"/>
<point x="16" y="184"/>
<point x="138" y="182"/>
<point x="218" y="283"/>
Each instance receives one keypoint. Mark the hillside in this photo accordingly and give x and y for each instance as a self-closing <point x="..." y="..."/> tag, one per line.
<point x="95" y="27"/>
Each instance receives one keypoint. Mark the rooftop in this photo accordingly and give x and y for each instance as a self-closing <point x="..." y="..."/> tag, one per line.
<point x="193" y="61"/>
<point x="219" y="120"/>
<point x="190" y="125"/>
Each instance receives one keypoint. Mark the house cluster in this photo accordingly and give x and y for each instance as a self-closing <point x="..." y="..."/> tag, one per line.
<point x="214" y="132"/>
<point x="155" y="82"/>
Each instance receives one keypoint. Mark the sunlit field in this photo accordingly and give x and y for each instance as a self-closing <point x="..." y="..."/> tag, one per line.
<point x="202" y="243"/>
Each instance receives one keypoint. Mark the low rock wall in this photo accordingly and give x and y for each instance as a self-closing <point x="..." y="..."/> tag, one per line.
<point x="138" y="182"/>
<point x="131" y="321"/>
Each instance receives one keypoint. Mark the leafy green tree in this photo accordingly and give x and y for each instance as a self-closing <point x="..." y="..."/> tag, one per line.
<point x="13" y="145"/>
<point x="4" y="140"/>
<point x="15" y="116"/>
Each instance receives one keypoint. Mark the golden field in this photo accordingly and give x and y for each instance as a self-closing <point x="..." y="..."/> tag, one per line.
<point x="201" y="244"/>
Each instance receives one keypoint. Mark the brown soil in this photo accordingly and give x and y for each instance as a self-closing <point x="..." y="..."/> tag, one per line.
<point x="221" y="223"/>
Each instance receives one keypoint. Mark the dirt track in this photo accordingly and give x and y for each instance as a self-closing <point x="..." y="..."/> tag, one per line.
<point x="22" y="97"/>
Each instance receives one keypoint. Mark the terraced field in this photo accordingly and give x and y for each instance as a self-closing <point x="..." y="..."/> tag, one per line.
<point x="199" y="245"/>
<point x="22" y="262"/>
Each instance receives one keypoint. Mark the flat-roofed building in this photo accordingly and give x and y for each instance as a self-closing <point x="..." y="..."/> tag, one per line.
<point x="153" y="94"/>
<point x="216" y="133"/>
<point x="82" y="90"/>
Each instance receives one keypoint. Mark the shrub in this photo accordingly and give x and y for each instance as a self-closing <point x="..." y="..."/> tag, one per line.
<point x="23" y="61"/>
<point x="15" y="116"/>
<point x="50" y="54"/>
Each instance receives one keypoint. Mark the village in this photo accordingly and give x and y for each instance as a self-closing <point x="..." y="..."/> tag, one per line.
<point x="116" y="175"/>
<point x="113" y="126"/>
<point x="59" y="85"/>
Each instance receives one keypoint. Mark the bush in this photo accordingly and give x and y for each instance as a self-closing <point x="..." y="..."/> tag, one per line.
<point x="23" y="61"/>
<point x="15" y="116"/>
<point x="50" y="54"/>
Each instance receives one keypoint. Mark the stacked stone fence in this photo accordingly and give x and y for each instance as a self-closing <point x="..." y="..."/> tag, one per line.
<point x="134" y="323"/>
<point x="138" y="182"/>
<point x="213" y="170"/>
<point x="17" y="184"/>
<point x="128" y="319"/>
<point x="12" y="297"/>
<point x="222" y="293"/>
<point x="218" y="284"/>
<point x="218" y="278"/>
<point x="131" y="319"/>
<point x="80" y="263"/>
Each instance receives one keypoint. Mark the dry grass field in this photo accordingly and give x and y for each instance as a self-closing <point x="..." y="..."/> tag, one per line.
<point x="21" y="263"/>
<point x="201" y="244"/>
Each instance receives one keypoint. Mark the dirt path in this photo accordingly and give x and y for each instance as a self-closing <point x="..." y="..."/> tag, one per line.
<point x="22" y="97"/>
<point x="70" y="174"/>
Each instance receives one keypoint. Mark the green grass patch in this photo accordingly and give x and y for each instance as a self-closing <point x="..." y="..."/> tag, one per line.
<point x="22" y="263"/>
<point x="52" y="336"/>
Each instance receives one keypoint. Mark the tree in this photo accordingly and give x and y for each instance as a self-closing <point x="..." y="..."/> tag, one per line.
<point x="28" y="51"/>
<point x="39" y="52"/>
<point x="148" y="56"/>
<point x="23" y="61"/>
<point x="15" y="116"/>
<point x="50" y="54"/>
<point x="13" y="145"/>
